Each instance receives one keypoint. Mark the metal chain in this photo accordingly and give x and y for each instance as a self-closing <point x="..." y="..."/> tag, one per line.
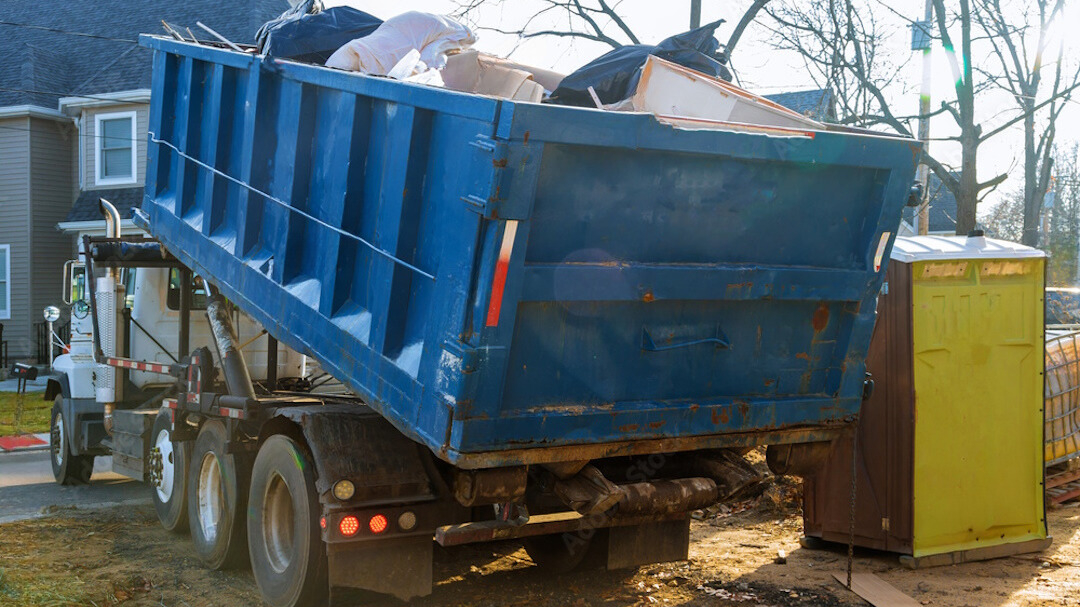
<point x="851" y="511"/>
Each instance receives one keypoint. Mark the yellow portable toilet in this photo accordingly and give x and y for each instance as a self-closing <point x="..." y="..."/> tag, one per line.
<point x="950" y="447"/>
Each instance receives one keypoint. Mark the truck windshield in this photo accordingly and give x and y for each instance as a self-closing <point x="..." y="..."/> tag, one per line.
<point x="198" y="297"/>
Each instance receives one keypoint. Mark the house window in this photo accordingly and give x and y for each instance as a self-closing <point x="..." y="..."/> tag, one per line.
<point x="5" y="281"/>
<point x="114" y="149"/>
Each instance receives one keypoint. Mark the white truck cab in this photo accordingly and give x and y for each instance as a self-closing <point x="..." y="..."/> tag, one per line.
<point x="147" y="328"/>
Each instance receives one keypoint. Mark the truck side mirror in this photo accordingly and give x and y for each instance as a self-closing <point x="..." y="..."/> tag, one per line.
<point x="67" y="281"/>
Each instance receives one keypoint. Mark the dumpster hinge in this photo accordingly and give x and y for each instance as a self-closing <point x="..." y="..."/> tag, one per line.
<point x="485" y="176"/>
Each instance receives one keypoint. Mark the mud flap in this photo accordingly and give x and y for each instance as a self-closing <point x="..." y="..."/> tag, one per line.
<point x="659" y="542"/>
<point x="399" y="567"/>
<point x="357" y="444"/>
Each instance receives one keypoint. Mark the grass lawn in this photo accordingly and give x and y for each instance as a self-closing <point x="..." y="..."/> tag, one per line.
<point x="36" y="411"/>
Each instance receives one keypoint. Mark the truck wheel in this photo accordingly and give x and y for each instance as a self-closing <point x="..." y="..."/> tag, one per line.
<point x="288" y="556"/>
<point x="67" y="469"/>
<point x="559" y="553"/>
<point x="170" y="492"/>
<point x="216" y="495"/>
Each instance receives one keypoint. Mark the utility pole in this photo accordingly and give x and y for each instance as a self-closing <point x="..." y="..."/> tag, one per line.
<point x="695" y="14"/>
<point x="920" y="40"/>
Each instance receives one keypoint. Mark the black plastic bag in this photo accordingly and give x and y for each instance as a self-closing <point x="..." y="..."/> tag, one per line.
<point x="310" y="34"/>
<point x="614" y="76"/>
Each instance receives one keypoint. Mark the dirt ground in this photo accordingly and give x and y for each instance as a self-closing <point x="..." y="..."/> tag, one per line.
<point x="98" y="558"/>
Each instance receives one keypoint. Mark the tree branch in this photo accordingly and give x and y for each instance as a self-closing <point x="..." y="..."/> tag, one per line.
<point x="748" y="16"/>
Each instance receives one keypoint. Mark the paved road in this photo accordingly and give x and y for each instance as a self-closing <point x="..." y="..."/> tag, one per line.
<point x="27" y="487"/>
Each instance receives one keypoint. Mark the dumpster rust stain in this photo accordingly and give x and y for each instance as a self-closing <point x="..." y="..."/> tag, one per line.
<point x="628" y="428"/>
<point x="721" y="415"/>
<point x="820" y="319"/>
<point x="735" y="288"/>
<point x="743" y="407"/>
<point x="656" y="425"/>
<point x="499" y="163"/>
<point x="647" y="297"/>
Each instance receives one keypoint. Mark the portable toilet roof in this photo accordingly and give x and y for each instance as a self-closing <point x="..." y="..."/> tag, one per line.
<point x="909" y="249"/>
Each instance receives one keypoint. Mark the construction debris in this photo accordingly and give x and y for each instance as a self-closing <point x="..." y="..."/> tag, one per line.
<point x="670" y="90"/>
<point x="614" y="75"/>
<point x="475" y="72"/>
<point x="432" y="36"/>
<point x="313" y="34"/>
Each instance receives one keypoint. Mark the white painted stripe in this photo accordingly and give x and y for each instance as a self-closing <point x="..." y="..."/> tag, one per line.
<point x="509" y="234"/>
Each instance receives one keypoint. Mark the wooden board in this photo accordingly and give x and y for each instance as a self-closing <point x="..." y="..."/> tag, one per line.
<point x="876" y="591"/>
<point x="1062" y="486"/>
<point x="975" y="554"/>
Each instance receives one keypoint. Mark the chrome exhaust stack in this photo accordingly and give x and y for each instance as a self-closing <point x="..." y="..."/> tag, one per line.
<point x="108" y="291"/>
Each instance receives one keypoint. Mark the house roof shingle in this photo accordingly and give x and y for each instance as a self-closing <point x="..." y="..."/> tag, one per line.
<point x="57" y="64"/>
<point x="817" y="103"/>
<point x="942" y="207"/>
<point x="86" y="205"/>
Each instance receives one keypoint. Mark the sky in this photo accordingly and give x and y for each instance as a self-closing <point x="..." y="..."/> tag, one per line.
<point x="764" y="70"/>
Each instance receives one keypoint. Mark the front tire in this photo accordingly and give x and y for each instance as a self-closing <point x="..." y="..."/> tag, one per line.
<point x="288" y="556"/>
<point x="67" y="469"/>
<point x="170" y="491"/>
<point x="217" y="500"/>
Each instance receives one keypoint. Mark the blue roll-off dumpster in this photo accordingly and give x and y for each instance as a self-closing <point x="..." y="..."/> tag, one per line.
<point x="513" y="283"/>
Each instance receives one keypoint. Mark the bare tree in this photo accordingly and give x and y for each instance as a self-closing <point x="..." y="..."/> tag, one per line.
<point x="1020" y="41"/>
<point x="840" y="43"/>
<point x="595" y="20"/>
<point x="1005" y="220"/>
<point x="1062" y="240"/>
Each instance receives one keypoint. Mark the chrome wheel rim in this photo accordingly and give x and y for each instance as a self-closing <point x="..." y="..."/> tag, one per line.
<point x="278" y="524"/>
<point x="58" y="441"/>
<point x="211" y="497"/>
<point x="164" y="446"/>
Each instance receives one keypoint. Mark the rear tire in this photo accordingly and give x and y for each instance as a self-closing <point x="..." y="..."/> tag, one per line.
<point x="288" y="556"/>
<point x="67" y="469"/>
<point x="170" y="498"/>
<point x="217" y="500"/>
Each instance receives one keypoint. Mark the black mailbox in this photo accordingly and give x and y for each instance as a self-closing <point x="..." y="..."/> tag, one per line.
<point x="24" y="371"/>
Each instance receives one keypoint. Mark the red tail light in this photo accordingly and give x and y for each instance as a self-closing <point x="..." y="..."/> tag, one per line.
<point x="378" y="523"/>
<point x="349" y="526"/>
<point x="322" y="522"/>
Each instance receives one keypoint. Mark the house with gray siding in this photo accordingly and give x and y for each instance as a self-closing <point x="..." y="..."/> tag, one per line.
<point x="36" y="192"/>
<point x="74" y="105"/>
